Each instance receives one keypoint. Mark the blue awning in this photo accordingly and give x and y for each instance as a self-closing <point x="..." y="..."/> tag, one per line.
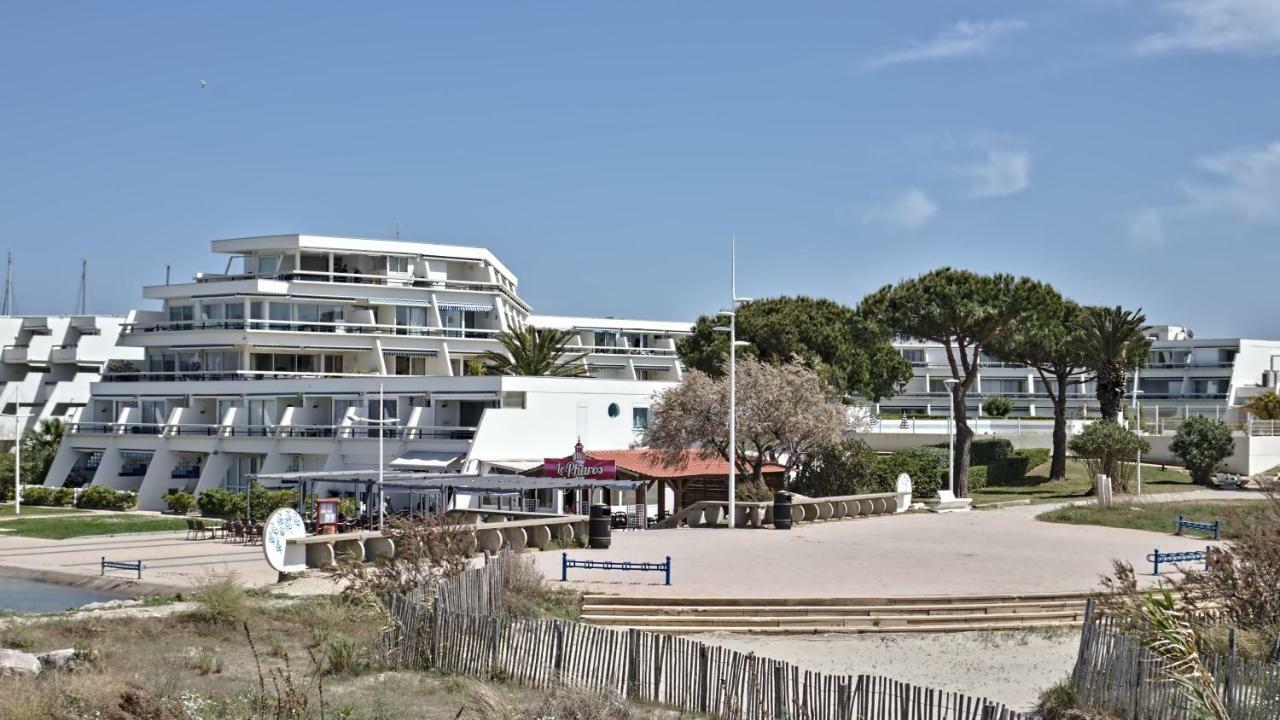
<point x="465" y="307"/>
<point x="137" y="454"/>
<point x="394" y="301"/>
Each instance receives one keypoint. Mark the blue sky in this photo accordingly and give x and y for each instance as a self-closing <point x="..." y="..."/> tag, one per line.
<point x="1127" y="151"/>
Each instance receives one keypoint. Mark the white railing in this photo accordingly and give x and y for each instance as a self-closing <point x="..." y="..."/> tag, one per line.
<point x="262" y="324"/>
<point x="322" y="276"/>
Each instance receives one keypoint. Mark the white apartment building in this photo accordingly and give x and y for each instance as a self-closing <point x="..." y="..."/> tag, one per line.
<point x="1184" y="375"/>
<point x="48" y="363"/>
<point x="270" y="365"/>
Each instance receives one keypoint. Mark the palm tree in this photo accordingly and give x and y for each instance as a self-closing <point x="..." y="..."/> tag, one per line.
<point x="39" y="446"/>
<point x="1265" y="406"/>
<point x="535" y="351"/>
<point x="1112" y="344"/>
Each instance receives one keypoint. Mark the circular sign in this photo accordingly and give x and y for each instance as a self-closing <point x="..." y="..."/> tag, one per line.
<point x="283" y="525"/>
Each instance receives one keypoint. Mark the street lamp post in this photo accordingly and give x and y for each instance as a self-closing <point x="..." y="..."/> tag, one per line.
<point x="732" y="314"/>
<point x="18" y="417"/>
<point x="380" y="422"/>
<point x="951" y="384"/>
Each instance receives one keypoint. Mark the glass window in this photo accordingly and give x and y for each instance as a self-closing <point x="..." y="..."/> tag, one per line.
<point x="640" y="418"/>
<point x="261" y="362"/>
<point x="330" y="313"/>
<point x="267" y="264"/>
<point x="333" y="363"/>
<point x="281" y="312"/>
<point x="212" y="312"/>
<point x="915" y="356"/>
<point x="398" y="264"/>
<point x="308" y="312"/>
<point x="235" y="311"/>
<point x="306" y="363"/>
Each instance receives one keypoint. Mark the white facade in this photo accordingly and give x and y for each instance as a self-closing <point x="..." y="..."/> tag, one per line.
<point x="1184" y="375"/>
<point x="48" y="363"/>
<point x="260" y="368"/>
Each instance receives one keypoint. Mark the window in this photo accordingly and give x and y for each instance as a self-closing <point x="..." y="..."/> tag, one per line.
<point x="408" y="316"/>
<point x="639" y="418"/>
<point x="1003" y="386"/>
<point x="938" y="385"/>
<point x="180" y="317"/>
<point x="267" y="264"/>
<point x="332" y="363"/>
<point x="397" y="264"/>
<point x="410" y="365"/>
<point x="614" y="410"/>
<point x="914" y="356"/>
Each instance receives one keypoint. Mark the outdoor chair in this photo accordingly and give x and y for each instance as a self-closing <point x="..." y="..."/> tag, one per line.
<point x="191" y="529"/>
<point x="201" y="530"/>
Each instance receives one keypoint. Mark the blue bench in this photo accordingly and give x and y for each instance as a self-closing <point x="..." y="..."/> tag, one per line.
<point x="624" y="565"/>
<point x="121" y="565"/>
<point x="1214" y="527"/>
<point x="1157" y="557"/>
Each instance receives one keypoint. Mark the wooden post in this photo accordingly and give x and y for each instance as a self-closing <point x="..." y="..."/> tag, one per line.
<point x="493" y="647"/>
<point x="704" y="679"/>
<point x="779" y="693"/>
<point x="633" y="663"/>
<point x="1228" y="684"/>
<point x="844" y="697"/>
<point x="558" y="658"/>
<point x="661" y="488"/>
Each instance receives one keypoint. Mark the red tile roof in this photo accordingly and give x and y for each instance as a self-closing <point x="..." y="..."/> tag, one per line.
<point x="658" y="464"/>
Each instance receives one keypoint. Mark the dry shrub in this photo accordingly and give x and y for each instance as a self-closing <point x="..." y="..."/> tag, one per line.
<point x="526" y="595"/>
<point x="221" y="601"/>
<point x="484" y="703"/>
<point x="426" y="551"/>
<point x="570" y="703"/>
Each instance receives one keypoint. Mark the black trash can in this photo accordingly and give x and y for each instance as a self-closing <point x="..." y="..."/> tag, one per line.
<point x="782" y="510"/>
<point x="600" y="527"/>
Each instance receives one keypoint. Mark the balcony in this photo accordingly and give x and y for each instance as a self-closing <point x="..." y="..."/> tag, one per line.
<point x="340" y="328"/>
<point x="316" y="276"/>
<point x="16" y="354"/>
<point x="64" y="354"/>
<point x="430" y="432"/>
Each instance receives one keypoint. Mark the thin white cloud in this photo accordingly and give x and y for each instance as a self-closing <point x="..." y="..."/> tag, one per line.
<point x="1005" y="168"/>
<point x="1242" y="184"/>
<point x="962" y="40"/>
<point x="1239" y="186"/>
<point x="1250" y="27"/>
<point x="1146" y="226"/>
<point x="910" y="210"/>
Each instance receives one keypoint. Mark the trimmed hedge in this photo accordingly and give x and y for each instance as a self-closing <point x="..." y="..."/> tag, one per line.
<point x="978" y="475"/>
<point x="927" y="467"/>
<point x="1036" y="457"/>
<point x="1009" y="471"/>
<point x="989" y="450"/>
<point x="180" y="502"/>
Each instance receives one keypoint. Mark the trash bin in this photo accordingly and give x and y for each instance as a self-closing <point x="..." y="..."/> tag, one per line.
<point x="600" y="527"/>
<point x="782" y="510"/>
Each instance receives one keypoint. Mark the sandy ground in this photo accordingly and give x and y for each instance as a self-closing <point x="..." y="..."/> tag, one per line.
<point x="1008" y="667"/>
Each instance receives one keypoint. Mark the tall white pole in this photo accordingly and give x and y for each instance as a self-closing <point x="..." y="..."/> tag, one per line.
<point x="951" y="434"/>
<point x="733" y="380"/>
<point x="17" y="461"/>
<point x="382" y="433"/>
<point x="1137" y="410"/>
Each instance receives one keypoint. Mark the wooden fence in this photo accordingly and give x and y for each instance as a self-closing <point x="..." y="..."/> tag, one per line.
<point x="675" y="671"/>
<point x="1115" y="674"/>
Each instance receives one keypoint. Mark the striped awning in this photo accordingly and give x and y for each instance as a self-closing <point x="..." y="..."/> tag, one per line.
<point x="410" y="353"/>
<point x="137" y="454"/>
<point x="663" y="368"/>
<point x="466" y="307"/>
<point x="394" y="301"/>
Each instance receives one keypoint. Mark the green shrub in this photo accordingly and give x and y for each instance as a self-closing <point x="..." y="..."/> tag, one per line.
<point x="1202" y="443"/>
<point x="1108" y="449"/>
<point x="1008" y="471"/>
<point x="100" y="497"/>
<point x="1035" y="456"/>
<point x="220" y="503"/>
<point x="978" y="476"/>
<point x="998" y="406"/>
<point x="46" y="496"/>
<point x="1059" y="702"/>
<point x="987" y="450"/>
<point x="927" y="467"/>
<point x="180" y="502"/>
<point x="220" y="600"/>
<point x="846" y="468"/>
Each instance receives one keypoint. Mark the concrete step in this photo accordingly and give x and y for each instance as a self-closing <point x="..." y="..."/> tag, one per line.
<point x="662" y="600"/>
<point x="880" y="621"/>
<point x="844" y="630"/>
<point x="713" y="608"/>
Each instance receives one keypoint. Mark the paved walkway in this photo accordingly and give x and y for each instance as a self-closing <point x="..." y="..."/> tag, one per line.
<point x="980" y="552"/>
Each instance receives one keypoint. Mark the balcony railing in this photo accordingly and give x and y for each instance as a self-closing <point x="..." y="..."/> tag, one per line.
<point x="190" y="375"/>
<point x="321" y="276"/>
<point x="308" y="326"/>
<point x="615" y="350"/>
<point x="429" y="432"/>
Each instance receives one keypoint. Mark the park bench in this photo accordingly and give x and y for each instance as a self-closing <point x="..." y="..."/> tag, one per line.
<point x="121" y="565"/>
<point x="1156" y="557"/>
<point x="624" y="565"/>
<point x="1214" y="527"/>
<point x="948" y="502"/>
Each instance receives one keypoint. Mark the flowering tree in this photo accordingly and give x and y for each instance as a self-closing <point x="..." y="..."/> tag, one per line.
<point x="785" y="413"/>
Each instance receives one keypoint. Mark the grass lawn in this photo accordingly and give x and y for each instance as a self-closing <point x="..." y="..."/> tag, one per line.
<point x="68" y="527"/>
<point x="1037" y="488"/>
<point x="1160" y="517"/>
<point x="6" y="510"/>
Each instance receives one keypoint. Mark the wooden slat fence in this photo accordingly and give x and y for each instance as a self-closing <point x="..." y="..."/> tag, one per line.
<point x="1115" y="674"/>
<point x="682" y="673"/>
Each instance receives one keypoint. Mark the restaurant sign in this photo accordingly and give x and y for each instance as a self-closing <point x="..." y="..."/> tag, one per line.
<point x="579" y="467"/>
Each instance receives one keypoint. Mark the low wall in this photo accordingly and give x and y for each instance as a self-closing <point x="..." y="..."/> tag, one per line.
<point x="888" y="442"/>
<point x="325" y="550"/>
<point x="710" y="513"/>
